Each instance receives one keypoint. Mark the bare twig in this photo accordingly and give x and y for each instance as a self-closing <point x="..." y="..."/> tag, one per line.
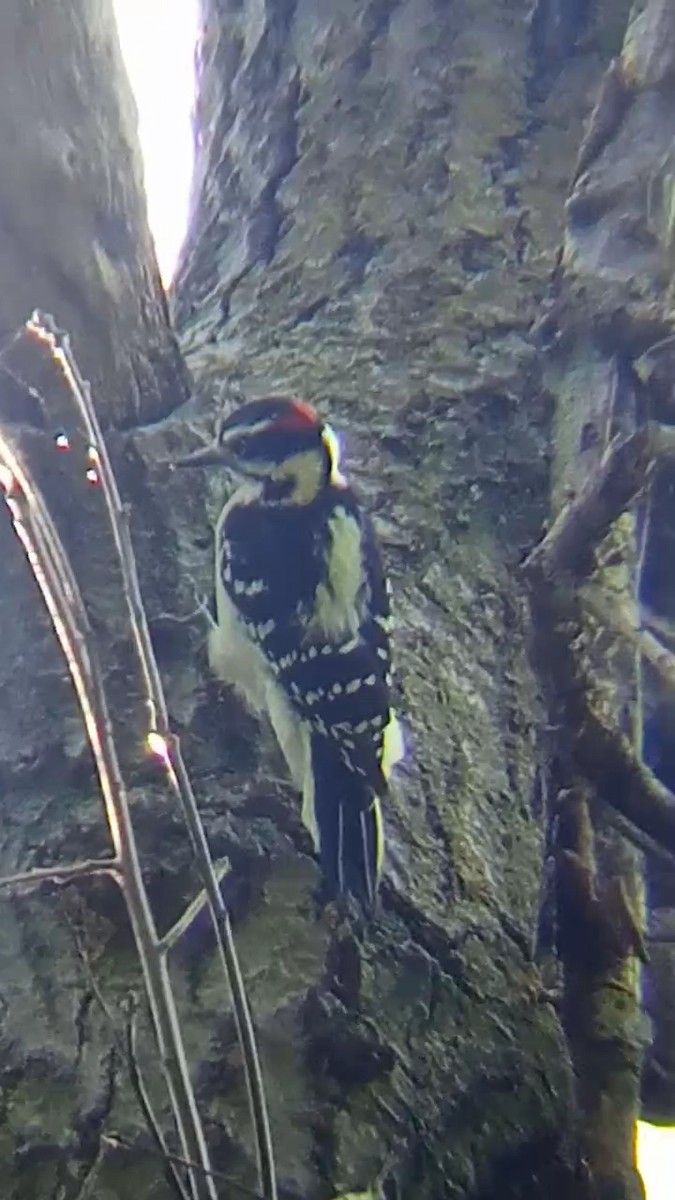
<point x="64" y="874"/>
<point x="125" y="1041"/>
<point x="164" y="743"/>
<point x="641" y="840"/>
<point x="555" y="568"/>
<point x="609" y="611"/>
<point x="83" y="953"/>
<point x="602" y="754"/>
<point x="223" y="929"/>
<point x="117" y="1139"/>
<point x="598" y="883"/>
<point x="607" y="759"/>
<point x="173" y="935"/>
<point x="90" y="1170"/>
<point x="598" y="929"/>
<point x="56" y="581"/>
<point x="89" y="1179"/>
<point x="141" y="1093"/>
<point x="625" y="469"/>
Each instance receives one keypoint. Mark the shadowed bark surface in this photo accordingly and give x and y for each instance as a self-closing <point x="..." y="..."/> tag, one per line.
<point x="610" y="369"/>
<point x="377" y="213"/>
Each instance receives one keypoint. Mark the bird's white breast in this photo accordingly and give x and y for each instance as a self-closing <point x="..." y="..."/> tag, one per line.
<point x="236" y="659"/>
<point x="339" y="596"/>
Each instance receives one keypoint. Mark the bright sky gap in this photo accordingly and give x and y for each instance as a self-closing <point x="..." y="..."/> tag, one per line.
<point x="158" y="40"/>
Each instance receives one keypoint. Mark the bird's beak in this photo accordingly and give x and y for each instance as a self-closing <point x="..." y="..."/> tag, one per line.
<point x="207" y="456"/>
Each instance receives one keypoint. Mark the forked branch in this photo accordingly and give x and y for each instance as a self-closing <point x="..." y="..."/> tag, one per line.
<point x="56" y="581"/>
<point x="568" y="549"/>
<point x="163" y="742"/>
<point x="555" y="569"/>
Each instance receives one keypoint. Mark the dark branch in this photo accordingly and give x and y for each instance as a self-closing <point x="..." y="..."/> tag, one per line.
<point x="622" y="780"/>
<point x="556" y="567"/>
<point x="641" y="840"/>
<point x="568" y="550"/>
<point x="600" y="752"/>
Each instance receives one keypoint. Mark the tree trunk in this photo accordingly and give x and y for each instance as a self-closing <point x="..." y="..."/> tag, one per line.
<point x="377" y="212"/>
<point x="370" y="230"/>
<point x="74" y="241"/>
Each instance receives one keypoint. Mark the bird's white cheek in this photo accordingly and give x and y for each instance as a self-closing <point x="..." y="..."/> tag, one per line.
<point x="332" y="443"/>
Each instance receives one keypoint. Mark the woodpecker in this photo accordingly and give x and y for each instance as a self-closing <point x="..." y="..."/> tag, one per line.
<point x="302" y="622"/>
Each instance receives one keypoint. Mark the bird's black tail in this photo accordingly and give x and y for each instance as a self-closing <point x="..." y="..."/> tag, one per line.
<point x="347" y="820"/>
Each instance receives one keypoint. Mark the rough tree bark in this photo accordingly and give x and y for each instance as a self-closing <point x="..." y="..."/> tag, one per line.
<point x="610" y="369"/>
<point x="377" y="210"/>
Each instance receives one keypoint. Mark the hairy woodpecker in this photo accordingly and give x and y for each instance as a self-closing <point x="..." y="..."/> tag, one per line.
<point x="302" y="626"/>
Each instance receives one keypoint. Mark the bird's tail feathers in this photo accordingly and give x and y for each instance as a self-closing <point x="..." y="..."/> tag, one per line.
<point x="346" y="822"/>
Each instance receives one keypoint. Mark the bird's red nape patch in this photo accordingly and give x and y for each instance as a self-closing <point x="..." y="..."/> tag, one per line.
<point x="299" y="415"/>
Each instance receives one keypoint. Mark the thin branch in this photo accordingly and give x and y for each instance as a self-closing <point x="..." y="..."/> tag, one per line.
<point x="84" y="1191"/>
<point x="568" y="549"/>
<point x="602" y="754"/>
<point x="173" y="935"/>
<point x="641" y="840"/>
<point x="608" y="760"/>
<point x="554" y="569"/>
<point x="42" y="327"/>
<point x="65" y="874"/>
<point x="609" y="610"/>
<point x="88" y="970"/>
<point x="221" y="922"/>
<point x="54" y="576"/>
<point x="141" y="1093"/>
<point x="118" y="1139"/>
<point x="103" y="1109"/>
<point x="125" y="1040"/>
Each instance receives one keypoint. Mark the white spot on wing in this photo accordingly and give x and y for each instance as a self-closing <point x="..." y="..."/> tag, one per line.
<point x="265" y="629"/>
<point x="347" y="647"/>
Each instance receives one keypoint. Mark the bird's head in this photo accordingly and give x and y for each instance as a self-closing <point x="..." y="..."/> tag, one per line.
<point x="281" y="442"/>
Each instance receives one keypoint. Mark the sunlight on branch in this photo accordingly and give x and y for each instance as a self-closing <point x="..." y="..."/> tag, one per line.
<point x="55" y="578"/>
